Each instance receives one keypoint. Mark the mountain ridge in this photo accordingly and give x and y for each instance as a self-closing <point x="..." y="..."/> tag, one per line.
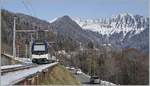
<point x="125" y="22"/>
<point x="66" y="27"/>
<point x="120" y="31"/>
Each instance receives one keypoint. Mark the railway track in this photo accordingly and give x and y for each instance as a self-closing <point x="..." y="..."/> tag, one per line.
<point x="16" y="68"/>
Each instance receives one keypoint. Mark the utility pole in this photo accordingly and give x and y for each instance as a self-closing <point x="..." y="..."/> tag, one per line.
<point x="18" y="51"/>
<point x="0" y="33"/>
<point x="30" y="45"/>
<point x="14" y="38"/>
<point x="26" y="54"/>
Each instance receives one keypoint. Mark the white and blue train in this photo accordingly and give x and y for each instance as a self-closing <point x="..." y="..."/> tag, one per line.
<point x="40" y="53"/>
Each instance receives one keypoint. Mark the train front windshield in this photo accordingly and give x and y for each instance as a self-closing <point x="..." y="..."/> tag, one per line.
<point x="39" y="49"/>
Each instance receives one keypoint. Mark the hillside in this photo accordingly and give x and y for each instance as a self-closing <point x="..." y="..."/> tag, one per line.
<point x="123" y="30"/>
<point x="62" y="31"/>
<point x="124" y="67"/>
<point x="126" y="31"/>
<point x="59" y="75"/>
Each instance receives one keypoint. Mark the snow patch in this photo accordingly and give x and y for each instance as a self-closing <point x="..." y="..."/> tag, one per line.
<point x="53" y="20"/>
<point x="11" y="66"/>
<point x="12" y="77"/>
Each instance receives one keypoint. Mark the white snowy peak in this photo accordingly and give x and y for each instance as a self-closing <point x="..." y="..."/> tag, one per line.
<point x="121" y="23"/>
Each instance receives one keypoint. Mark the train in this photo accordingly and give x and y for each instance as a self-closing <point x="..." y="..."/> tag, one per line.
<point x="40" y="53"/>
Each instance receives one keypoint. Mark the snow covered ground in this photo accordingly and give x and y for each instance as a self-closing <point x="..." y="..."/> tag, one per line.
<point x="11" y="66"/>
<point x="23" y="60"/>
<point x="12" y="77"/>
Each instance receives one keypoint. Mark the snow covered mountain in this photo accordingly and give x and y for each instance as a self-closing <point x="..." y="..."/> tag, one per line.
<point x="121" y="31"/>
<point x="124" y="30"/>
<point x="121" y="23"/>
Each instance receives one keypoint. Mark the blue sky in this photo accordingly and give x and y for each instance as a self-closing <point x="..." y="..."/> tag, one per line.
<point x="50" y="9"/>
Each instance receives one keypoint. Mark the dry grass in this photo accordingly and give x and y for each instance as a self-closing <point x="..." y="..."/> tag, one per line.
<point x="60" y="76"/>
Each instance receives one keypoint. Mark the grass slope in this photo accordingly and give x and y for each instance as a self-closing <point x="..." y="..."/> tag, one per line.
<point x="60" y="76"/>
